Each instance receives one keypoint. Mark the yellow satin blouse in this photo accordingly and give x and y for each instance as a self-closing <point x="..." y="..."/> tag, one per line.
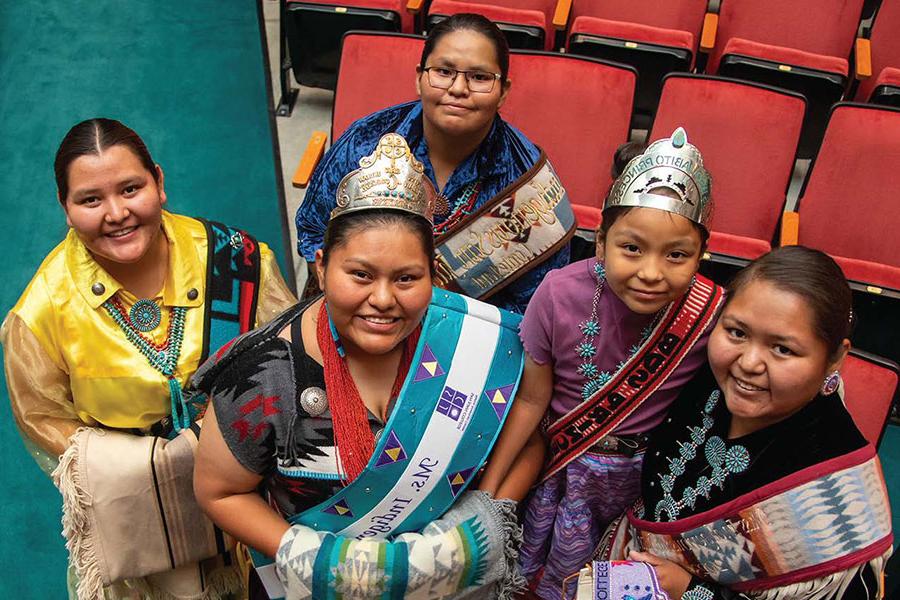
<point x="68" y="364"/>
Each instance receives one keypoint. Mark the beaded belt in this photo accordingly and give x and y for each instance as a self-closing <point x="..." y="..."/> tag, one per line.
<point x="621" y="445"/>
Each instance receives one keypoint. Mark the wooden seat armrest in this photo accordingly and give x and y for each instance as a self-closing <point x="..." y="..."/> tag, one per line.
<point x="561" y="14"/>
<point x="414" y="6"/>
<point x="863" y="58"/>
<point x="790" y="228"/>
<point x="311" y="157"/>
<point x="708" y="35"/>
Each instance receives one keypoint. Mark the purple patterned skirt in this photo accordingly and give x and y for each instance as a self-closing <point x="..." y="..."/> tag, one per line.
<point x="567" y="514"/>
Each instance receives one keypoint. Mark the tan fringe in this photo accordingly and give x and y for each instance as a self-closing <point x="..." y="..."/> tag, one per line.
<point x="830" y="587"/>
<point x="221" y="583"/>
<point x="76" y="521"/>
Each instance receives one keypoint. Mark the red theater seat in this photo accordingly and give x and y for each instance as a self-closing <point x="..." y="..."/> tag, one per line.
<point x="578" y="126"/>
<point x="884" y="53"/>
<point x="801" y="45"/>
<point x="398" y="7"/>
<point x="313" y="30"/>
<point x="849" y="206"/>
<point x="678" y="15"/>
<point x="870" y="389"/>
<point x="523" y="27"/>
<point x="362" y="89"/>
<point x="748" y="135"/>
<point x="886" y="90"/>
<point x="527" y="24"/>
<point x="825" y="27"/>
<point x="656" y="37"/>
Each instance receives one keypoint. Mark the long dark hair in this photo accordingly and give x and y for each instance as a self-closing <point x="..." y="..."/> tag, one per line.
<point x="472" y="22"/>
<point x="815" y="277"/>
<point x="92" y="137"/>
<point x="341" y="228"/>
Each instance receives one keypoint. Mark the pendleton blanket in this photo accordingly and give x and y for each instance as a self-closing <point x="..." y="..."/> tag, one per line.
<point x="118" y="488"/>
<point x="817" y="522"/>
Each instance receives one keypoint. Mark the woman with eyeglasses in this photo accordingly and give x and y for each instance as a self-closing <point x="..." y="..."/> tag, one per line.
<point x="469" y="152"/>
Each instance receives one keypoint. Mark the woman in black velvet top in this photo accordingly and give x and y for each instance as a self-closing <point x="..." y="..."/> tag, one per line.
<point x="758" y="484"/>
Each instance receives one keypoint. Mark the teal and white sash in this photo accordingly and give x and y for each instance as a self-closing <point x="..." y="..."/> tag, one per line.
<point x="453" y="403"/>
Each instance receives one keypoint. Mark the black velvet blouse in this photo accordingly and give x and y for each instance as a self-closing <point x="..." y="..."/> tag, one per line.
<point x="691" y="455"/>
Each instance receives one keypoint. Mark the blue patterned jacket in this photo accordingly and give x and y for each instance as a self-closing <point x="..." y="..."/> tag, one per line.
<point x="504" y="156"/>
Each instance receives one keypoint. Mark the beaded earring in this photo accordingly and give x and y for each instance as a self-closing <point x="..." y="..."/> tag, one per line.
<point x="831" y="384"/>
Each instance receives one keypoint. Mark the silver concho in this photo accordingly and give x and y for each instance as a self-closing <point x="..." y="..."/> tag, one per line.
<point x="313" y="401"/>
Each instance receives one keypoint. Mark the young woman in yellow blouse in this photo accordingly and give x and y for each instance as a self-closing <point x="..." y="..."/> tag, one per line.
<point x="116" y="319"/>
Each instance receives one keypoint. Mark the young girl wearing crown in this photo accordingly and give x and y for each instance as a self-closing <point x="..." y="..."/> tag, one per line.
<point x="609" y="341"/>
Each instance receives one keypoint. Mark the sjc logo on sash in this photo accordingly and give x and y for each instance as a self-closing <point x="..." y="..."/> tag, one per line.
<point x="456" y="406"/>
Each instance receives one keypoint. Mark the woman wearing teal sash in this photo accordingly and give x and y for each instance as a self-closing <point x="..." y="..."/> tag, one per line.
<point x="363" y="415"/>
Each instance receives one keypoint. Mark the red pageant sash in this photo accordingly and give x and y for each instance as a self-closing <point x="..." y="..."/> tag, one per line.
<point x="818" y="521"/>
<point x="682" y="325"/>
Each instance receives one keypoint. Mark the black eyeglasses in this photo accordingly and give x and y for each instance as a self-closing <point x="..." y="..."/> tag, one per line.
<point x="478" y="81"/>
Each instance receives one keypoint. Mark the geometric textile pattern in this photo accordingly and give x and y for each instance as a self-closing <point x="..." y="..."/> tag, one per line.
<point x="449" y="555"/>
<point x="458" y="480"/>
<point x="822" y="520"/>
<point x="499" y="399"/>
<point x="339" y="508"/>
<point x="393" y="451"/>
<point x="428" y="366"/>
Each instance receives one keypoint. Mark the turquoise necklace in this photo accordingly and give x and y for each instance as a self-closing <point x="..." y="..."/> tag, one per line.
<point x="162" y="357"/>
<point x="462" y="206"/>
<point x="145" y="315"/>
<point x="587" y="348"/>
<point x="723" y="460"/>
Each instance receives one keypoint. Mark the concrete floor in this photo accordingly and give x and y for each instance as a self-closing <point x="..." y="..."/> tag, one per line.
<point x="312" y="112"/>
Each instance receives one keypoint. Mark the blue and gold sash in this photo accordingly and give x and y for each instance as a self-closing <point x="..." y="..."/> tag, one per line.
<point x="449" y="413"/>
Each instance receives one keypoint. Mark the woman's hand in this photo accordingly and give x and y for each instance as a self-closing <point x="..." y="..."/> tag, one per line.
<point x="672" y="577"/>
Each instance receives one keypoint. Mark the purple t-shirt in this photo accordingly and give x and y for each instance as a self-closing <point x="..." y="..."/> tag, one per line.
<point x="550" y="332"/>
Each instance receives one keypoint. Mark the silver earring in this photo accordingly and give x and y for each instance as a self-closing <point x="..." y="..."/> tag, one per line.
<point x="831" y="383"/>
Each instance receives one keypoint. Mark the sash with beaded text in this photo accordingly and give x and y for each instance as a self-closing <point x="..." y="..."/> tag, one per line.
<point x="522" y="226"/>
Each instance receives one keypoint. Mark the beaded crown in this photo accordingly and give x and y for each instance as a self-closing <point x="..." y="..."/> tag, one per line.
<point x="390" y="177"/>
<point x="673" y="164"/>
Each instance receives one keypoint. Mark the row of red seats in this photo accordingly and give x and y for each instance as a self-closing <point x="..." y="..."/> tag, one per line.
<point x="803" y="45"/>
<point x="748" y="133"/>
